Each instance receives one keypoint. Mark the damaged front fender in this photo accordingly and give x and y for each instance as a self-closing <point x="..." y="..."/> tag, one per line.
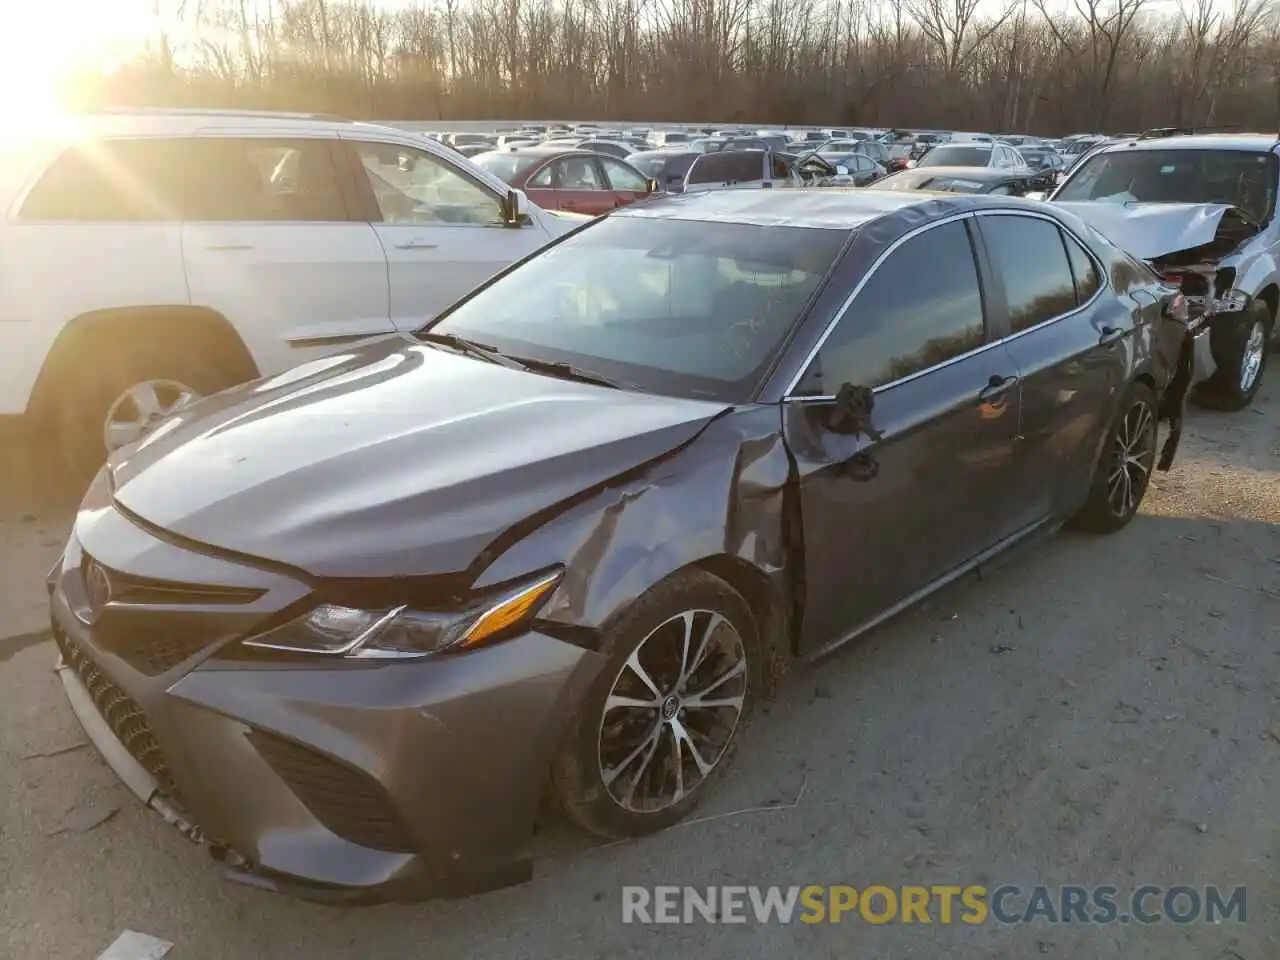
<point x="720" y="503"/>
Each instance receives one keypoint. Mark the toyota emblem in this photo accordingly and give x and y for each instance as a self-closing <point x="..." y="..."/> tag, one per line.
<point x="98" y="586"/>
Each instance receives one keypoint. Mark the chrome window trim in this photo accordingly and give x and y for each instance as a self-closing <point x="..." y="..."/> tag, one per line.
<point x="787" y="394"/>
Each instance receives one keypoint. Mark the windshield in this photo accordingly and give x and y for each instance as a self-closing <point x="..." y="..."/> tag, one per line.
<point x="507" y="166"/>
<point x="681" y="307"/>
<point x="949" y="156"/>
<point x="1246" y="179"/>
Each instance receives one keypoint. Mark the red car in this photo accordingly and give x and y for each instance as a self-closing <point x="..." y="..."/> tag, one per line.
<point x="559" y="178"/>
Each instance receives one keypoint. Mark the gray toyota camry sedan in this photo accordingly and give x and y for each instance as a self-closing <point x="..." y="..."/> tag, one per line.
<point x="348" y="625"/>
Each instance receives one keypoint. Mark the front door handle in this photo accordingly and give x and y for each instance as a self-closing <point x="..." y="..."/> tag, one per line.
<point x="416" y="244"/>
<point x="1109" y="335"/>
<point x="997" y="388"/>
<point x="229" y="246"/>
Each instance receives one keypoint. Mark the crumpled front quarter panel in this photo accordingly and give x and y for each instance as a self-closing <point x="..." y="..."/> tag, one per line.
<point x="722" y="496"/>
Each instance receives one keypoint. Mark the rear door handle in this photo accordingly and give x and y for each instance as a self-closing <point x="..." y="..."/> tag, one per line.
<point x="416" y="244"/>
<point x="229" y="246"/>
<point x="1109" y="335"/>
<point x="997" y="388"/>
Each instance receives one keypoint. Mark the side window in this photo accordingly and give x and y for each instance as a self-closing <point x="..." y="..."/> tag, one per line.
<point x="1028" y="254"/>
<point x="576" y="173"/>
<point x="111" y="180"/>
<point x="623" y="177"/>
<point x="260" y="179"/>
<point x="906" y="319"/>
<point x="412" y="186"/>
<point x="781" y="169"/>
<point x="1083" y="269"/>
<point x="540" y="179"/>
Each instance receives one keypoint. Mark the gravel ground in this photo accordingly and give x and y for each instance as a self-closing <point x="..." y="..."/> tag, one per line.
<point x="1101" y="711"/>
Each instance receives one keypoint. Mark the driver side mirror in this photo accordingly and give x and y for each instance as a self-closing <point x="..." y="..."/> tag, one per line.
<point x="515" y="208"/>
<point x="842" y="170"/>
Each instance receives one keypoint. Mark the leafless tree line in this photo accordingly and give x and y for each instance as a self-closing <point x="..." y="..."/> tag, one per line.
<point x="1107" y="65"/>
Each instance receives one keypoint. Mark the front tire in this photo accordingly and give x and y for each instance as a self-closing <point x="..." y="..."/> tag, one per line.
<point x="1124" y="469"/>
<point x="660" y="723"/>
<point x="1240" y="351"/>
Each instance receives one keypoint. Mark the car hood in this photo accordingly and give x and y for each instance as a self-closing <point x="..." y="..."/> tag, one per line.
<point x="1155" y="230"/>
<point x="396" y="459"/>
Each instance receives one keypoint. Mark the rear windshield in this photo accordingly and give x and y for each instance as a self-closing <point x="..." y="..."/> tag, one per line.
<point x="506" y="166"/>
<point x="953" y="156"/>
<point x="1246" y="179"/>
<point x="680" y="307"/>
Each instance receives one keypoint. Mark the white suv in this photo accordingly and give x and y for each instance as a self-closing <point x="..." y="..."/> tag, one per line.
<point x="151" y="256"/>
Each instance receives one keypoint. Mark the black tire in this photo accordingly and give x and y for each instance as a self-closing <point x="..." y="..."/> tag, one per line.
<point x="1104" y="511"/>
<point x="1230" y="342"/>
<point x="81" y="402"/>
<point x="577" y="777"/>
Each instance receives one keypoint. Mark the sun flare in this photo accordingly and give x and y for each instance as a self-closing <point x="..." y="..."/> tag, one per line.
<point x="45" y="46"/>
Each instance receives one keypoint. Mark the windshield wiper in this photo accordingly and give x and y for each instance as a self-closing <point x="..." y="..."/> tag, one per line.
<point x="470" y="347"/>
<point x="567" y="371"/>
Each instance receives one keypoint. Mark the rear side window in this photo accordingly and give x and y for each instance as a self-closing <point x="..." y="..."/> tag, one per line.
<point x="718" y="167"/>
<point x="1083" y="269"/>
<point x="253" y="179"/>
<point x="907" y="318"/>
<point x="111" y="180"/>
<point x="1029" y="256"/>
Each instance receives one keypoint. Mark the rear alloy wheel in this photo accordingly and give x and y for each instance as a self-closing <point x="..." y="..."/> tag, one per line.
<point x="664" y="715"/>
<point x="1240" y="351"/>
<point x="1124" y="469"/>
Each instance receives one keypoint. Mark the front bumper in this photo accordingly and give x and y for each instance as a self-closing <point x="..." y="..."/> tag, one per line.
<point x="333" y="781"/>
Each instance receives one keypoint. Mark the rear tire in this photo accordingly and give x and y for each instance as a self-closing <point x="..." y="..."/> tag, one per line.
<point x="85" y="396"/>
<point x="1240" y="351"/>
<point x="635" y="774"/>
<point x="1124" y="468"/>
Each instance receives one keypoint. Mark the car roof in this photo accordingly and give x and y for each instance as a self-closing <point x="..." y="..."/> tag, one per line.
<point x="826" y="208"/>
<point x="545" y="151"/>
<point x="1259" y="142"/>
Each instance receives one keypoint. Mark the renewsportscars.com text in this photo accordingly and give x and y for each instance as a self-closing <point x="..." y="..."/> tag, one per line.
<point x="942" y="904"/>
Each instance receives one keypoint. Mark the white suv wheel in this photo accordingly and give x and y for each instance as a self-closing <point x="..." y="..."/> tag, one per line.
<point x="141" y="408"/>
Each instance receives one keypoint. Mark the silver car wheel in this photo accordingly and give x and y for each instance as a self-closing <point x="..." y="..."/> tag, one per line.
<point x="1251" y="361"/>
<point x="138" y="410"/>
<point x="1132" y="456"/>
<point x="672" y="711"/>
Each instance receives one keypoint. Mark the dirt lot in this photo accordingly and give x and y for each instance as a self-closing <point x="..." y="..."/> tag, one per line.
<point x="1101" y="711"/>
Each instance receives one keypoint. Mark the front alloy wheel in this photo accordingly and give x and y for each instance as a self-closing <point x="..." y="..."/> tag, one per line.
<point x="672" y="711"/>
<point x="667" y="708"/>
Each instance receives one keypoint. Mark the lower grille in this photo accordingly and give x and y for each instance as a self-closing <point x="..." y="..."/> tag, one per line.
<point x="154" y="655"/>
<point x="349" y="802"/>
<point x="122" y="713"/>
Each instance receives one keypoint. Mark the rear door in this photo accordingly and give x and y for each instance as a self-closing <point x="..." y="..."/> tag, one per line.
<point x="1068" y="342"/>
<point x="883" y="518"/>
<point x="581" y="186"/>
<point x="441" y="228"/>
<point x="627" y="183"/>
<point x="271" y="242"/>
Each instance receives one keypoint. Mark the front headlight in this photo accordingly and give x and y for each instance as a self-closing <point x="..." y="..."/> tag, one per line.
<point x="402" y="632"/>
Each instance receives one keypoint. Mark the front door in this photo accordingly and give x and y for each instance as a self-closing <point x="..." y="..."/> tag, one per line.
<point x="883" y="518"/>
<point x="270" y="242"/>
<point x="1068" y="368"/>
<point x="626" y="182"/>
<point x="443" y="231"/>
